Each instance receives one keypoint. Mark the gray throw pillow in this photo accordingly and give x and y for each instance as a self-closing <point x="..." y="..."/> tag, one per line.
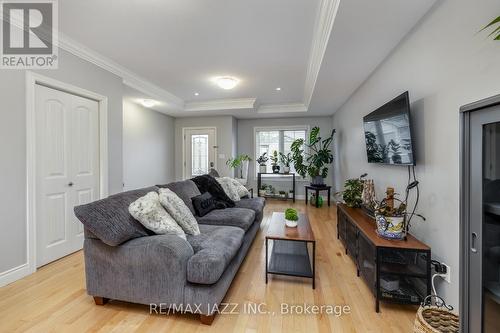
<point x="149" y="211"/>
<point x="179" y="211"/>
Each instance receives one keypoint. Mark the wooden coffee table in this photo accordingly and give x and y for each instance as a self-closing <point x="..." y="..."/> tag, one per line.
<point x="290" y="253"/>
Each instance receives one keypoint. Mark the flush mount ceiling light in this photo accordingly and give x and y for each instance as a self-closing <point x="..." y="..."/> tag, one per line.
<point x="148" y="103"/>
<point x="278" y="89"/>
<point x="196" y="94"/>
<point x="226" y="82"/>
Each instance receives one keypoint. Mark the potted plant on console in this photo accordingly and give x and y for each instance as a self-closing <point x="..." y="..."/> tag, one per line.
<point x="313" y="157"/>
<point x="274" y="160"/>
<point x="392" y="217"/>
<point x="353" y="190"/>
<point x="286" y="160"/>
<point x="262" y="160"/>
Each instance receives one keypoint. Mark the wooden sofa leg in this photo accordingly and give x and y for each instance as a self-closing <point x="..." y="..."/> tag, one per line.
<point x="207" y="320"/>
<point x="100" y="300"/>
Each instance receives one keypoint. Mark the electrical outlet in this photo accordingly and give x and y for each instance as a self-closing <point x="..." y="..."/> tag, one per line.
<point x="447" y="276"/>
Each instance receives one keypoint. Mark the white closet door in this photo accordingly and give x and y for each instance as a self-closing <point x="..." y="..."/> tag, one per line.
<point x="67" y="165"/>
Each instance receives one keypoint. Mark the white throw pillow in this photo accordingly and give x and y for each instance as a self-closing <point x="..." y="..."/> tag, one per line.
<point x="179" y="211"/>
<point x="242" y="190"/>
<point x="229" y="188"/>
<point x="151" y="214"/>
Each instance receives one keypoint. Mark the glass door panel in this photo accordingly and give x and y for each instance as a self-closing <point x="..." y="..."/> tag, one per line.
<point x="491" y="228"/>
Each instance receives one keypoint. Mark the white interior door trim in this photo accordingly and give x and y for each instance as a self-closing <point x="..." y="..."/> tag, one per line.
<point x="184" y="146"/>
<point x="31" y="80"/>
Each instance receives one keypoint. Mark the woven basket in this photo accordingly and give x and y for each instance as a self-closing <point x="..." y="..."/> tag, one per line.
<point x="437" y="318"/>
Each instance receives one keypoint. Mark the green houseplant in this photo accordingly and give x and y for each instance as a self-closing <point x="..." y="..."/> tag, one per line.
<point x="274" y="160"/>
<point x="262" y="160"/>
<point x="291" y="217"/>
<point x="237" y="162"/>
<point x="286" y="160"/>
<point x="353" y="189"/>
<point x="312" y="157"/>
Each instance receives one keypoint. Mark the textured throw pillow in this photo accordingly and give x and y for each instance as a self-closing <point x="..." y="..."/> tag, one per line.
<point x="203" y="204"/>
<point x="229" y="188"/>
<point x="149" y="211"/>
<point x="179" y="211"/>
<point x="242" y="190"/>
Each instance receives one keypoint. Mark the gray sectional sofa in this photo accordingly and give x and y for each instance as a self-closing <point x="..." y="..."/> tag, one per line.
<point x="126" y="262"/>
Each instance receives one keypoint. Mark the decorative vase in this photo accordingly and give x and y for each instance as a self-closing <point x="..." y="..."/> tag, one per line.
<point x="290" y="223"/>
<point x="317" y="181"/>
<point x="262" y="168"/>
<point x="276" y="169"/>
<point x="312" y="200"/>
<point x="390" y="227"/>
<point x="286" y="169"/>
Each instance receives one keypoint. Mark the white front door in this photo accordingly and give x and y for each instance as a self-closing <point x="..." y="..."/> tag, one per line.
<point x="199" y="151"/>
<point x="67" y="169"/>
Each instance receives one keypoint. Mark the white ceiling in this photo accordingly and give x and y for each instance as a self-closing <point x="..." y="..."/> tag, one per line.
<point x="168" y="50"/>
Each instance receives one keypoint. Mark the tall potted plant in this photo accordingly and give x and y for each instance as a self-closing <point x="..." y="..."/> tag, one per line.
<point x="274" y="160"/>
<point x="237" y="162"/>
<point x="313" y="157"/>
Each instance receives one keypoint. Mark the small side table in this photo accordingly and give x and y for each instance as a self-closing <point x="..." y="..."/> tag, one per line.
<point x="317" y="189"/>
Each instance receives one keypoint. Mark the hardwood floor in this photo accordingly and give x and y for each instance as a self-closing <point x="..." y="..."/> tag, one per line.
<point x="54" y="298"/>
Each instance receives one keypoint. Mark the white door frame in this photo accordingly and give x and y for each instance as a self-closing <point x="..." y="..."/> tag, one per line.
<point x="184" y="146"/>
<point x="31" y="80"/>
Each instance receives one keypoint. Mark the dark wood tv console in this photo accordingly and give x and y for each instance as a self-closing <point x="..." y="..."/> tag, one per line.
<point x="381" y="262"/>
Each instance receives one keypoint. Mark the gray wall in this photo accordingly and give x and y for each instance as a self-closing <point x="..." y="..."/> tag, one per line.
<point x="444" y="63"/>
<point x="71" y="70"/>
<point x="225" y="133"/>
<point x="246" y="145"/>
<point x="148" y="147"/>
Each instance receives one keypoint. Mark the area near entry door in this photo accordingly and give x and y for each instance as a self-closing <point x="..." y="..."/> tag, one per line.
<point x="199" y="151"/>
<point x="67" y="169"/>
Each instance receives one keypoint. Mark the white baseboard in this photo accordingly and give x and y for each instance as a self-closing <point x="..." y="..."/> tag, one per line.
<point x="14" y="274"/>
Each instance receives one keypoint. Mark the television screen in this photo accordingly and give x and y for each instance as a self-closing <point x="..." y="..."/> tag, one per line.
<point x="388" y="133"/>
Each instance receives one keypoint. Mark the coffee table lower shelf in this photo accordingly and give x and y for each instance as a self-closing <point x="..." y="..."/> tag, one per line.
<point x="291" y="258"/>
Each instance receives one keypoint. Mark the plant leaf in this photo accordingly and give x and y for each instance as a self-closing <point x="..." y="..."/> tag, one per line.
<point x="495" y="21"/>
<point x="494" y="31"/>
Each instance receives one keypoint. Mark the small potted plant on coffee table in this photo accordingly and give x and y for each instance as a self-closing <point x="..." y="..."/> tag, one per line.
<point x="286" y="160"/>
<point x="262" y="160"/>
<point x="274" y="160"/>
<point x="291" y="218"/>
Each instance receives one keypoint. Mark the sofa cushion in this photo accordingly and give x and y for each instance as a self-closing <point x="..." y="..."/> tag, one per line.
<point x="229" y="188"/>
<point x="236" y="217"/>
<point x="179" y="211"/>
<point x="185" y="189"/>
<point x="203" y="204"/>
<point x="255" y="204"/>
<point x="214" y="249"/>
<point x="110" y="220"/>
<point x="149" y="211"/>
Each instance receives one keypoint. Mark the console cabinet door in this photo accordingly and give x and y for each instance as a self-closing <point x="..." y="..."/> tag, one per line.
<point x="366" y="261"/>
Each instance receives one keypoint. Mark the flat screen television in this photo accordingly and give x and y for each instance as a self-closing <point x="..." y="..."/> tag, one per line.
<point x="388" y="133"/>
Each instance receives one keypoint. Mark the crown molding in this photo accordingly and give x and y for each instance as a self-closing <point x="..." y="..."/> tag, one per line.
<point x="221" y="104"/>
<point x="282" y="108"/>
<point x="130" y="78"/>
<point x="323" y="27"/>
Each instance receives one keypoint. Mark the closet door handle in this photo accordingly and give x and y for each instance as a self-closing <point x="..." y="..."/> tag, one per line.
<point x="473" y="242"/>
